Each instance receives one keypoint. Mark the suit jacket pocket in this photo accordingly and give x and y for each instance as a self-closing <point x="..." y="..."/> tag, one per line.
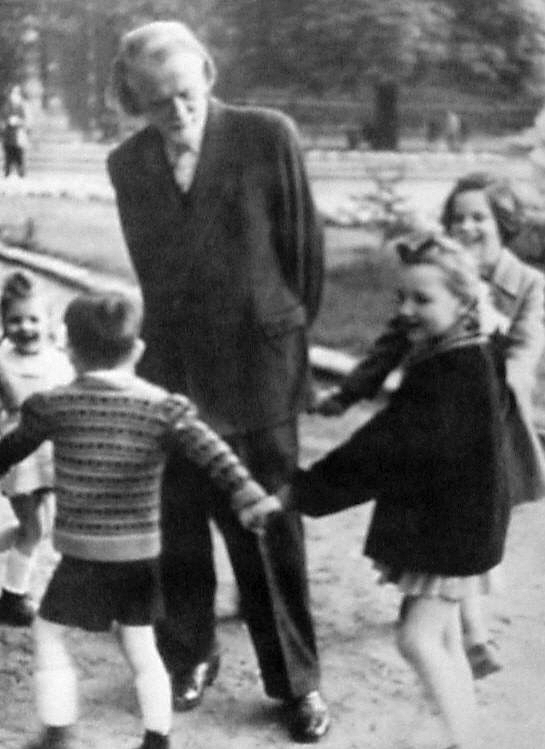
<point x="283" y="322"/>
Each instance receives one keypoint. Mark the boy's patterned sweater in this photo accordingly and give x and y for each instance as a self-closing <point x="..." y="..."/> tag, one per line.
<point x="111" y="434"/>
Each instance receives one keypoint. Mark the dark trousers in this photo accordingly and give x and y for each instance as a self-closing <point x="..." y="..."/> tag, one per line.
<point x="271" y="573"/>
<point x="14" y="156"/>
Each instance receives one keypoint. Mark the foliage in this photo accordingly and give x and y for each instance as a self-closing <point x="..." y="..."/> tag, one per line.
<point x="12" y="28"/>
<point x="313" y="46"/>
<point x="500" y="41"/>
<point x="358" y="299"/>
<point x="323" y="47"/>
<point x="382" y="208"/>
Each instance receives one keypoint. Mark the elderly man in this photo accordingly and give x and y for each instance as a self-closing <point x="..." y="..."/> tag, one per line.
<point x="217" y="214"/>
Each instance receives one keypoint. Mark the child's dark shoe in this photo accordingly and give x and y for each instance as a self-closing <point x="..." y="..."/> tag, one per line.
<point x="483" y="660"/>
<point x="16" y="609"/>
<point x="154" y="740"/>
<point x="54" y="737"/>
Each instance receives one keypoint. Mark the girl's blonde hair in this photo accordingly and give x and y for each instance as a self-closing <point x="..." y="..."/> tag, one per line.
<point x="459" y="267"/>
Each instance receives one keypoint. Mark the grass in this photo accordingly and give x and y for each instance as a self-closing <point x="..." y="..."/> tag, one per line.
<point x="85" y="232"/>
<point x="357" y="294"/>
<point x="358" y="300"/>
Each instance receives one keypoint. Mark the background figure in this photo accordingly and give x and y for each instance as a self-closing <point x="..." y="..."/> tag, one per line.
<point x="107" y="527"/>
<point x="438" y="459"/>
<point x="29" y="361"/>
<point x="221" y="228"/>
<point x="453" y="130"/>
<point x="15" y="125"/>
<point x="485" y="215"/>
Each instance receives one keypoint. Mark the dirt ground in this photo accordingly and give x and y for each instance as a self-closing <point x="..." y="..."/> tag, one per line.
<point x="375" y="700"/>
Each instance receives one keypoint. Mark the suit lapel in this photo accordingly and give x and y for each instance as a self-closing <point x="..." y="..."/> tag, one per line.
<point x="192" y="214"/>
<point x="215" y="175"/>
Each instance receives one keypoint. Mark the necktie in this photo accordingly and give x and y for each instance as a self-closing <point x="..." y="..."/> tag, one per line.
<point x="184" y="169"/>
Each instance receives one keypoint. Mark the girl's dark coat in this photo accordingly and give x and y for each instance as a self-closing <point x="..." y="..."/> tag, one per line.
<point x="231" y="272"/>
<point x="439" y="460"/>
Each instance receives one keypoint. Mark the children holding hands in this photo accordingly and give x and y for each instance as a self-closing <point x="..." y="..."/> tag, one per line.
<point x="484" y="214"/>
<point x="111" y="433"/>
<point x="439" y="460"/>
<point x="30" y="361"/>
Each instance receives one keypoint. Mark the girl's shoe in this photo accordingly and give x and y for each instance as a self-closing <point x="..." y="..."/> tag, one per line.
<point x="16" y="609"/>
<point x="54" y="737"/>
<point x="482" y="660"/>
<point x="154" y="740"/>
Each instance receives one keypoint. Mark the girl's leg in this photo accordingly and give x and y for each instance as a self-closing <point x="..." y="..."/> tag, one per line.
<point x="151" y="679"/>
<point x="46" y="513"/>
<point x="481" y="657"/>
<point x="15" y="608"/>
<point x="55" y="677"/>
<point x="430" y="638"/>
<point x="473" y="621"/>
<point x="31" y="516"/>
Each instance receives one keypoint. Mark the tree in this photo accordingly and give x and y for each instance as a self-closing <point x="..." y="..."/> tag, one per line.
<point x="13" y="15"/>
<point x="323" y="47"/>
<point x="82" y="37"/>
<point x="500" y="42"/>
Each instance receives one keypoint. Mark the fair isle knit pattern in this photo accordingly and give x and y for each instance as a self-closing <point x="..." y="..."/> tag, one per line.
<point x="111" y="439"/>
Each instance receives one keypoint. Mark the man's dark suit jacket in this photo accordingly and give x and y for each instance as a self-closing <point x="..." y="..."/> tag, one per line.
<point x="231" y="272"/>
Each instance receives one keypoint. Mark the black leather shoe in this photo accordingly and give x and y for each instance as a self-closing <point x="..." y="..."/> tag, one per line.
<point x="188" y="693"/>
<point x="154" y="740"/>
<point x="309" y="719"/>
<point x="16" y="609"/>
<point x="54" y="737"/>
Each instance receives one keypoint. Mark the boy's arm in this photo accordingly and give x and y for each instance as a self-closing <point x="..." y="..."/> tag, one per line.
<point x="208" y="451"/>
<point x="31" y="431"/>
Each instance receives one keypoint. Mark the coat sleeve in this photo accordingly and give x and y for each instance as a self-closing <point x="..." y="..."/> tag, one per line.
<point x="203" y="447"/>
<point x="526" y="336"/>
<point x="124" y="199"/>
<point x="301" y="231"/>
<point x="385" y="354"/>
<point x="32" y="430"/>
<point x="398" y="450"/>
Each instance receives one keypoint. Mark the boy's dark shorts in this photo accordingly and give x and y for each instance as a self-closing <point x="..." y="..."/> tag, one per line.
<point x="93" y="595"/>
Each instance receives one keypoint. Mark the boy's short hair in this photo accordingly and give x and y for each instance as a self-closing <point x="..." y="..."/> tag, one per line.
<point x="102" y="328"/>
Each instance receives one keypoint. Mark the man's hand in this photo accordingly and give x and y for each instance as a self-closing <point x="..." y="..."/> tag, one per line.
<point x="254" y="517"/>
<point x="328" y="404"/>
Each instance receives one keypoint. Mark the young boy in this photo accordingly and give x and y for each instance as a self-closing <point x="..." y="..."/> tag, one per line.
<point x="111" y="433"/>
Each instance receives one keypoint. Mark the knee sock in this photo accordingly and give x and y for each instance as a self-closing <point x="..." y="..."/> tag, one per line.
<point x="18" y="571"/>
<point x="155" y="698"/>
<point x="56" y="696"/>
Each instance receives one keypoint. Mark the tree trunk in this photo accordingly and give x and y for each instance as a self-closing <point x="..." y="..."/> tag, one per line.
<point x="385" y="135"/>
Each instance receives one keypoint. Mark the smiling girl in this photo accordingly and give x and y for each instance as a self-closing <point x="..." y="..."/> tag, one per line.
<point x="437" y="459"/>
<point x="484" y="214"/>
<point x="29" y="361"/>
